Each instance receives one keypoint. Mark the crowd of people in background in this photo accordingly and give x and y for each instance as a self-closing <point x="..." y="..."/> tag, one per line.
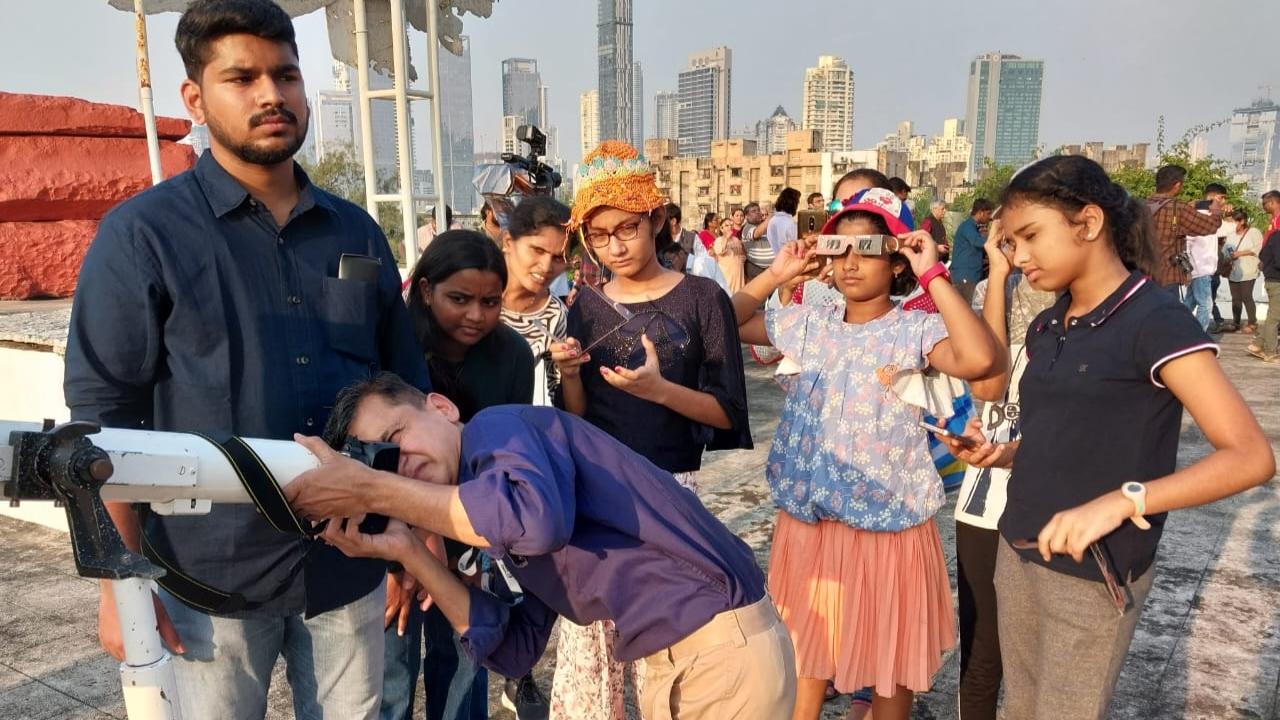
<point x="554" y="377"/>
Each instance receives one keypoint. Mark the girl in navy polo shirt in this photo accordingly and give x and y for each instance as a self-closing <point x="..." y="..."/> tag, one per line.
<point x="1109" y="369"/>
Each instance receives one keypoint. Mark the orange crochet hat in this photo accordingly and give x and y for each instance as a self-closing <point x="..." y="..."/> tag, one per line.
<point x="614" y="175"/>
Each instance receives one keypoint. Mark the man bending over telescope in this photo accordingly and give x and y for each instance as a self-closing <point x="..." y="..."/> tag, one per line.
<point x="590" y="529"/>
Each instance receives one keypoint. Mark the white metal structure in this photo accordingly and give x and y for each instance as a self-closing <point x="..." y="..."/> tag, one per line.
<point x="400" y="92"/>
<point x="176" y="473"/>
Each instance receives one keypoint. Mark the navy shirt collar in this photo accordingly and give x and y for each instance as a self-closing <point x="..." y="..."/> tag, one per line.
<point x="225" y="193"/>
<point x="1105" y="309"/>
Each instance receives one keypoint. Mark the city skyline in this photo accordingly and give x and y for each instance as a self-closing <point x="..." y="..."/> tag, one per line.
<point x="1097" y="91"/>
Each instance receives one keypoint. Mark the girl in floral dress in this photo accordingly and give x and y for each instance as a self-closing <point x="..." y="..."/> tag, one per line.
<point x="857" y="569"/>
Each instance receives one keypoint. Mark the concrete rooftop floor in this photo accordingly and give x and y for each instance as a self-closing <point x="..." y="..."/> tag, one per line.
<point x="1208" y="645"/>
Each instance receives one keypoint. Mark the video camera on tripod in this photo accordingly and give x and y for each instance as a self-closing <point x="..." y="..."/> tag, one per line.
<point x="517" y="176"/>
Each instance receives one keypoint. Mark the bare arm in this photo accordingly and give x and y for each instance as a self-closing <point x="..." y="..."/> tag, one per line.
<point x="995" y="314"/>
<point x="425" y="505"/>
<point x="1242" y="459"/>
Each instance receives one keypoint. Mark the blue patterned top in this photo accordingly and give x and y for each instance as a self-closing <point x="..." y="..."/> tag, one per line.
<point x="847" y="448"/>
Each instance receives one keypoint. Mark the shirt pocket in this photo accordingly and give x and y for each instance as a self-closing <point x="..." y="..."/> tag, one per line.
<point x="349" y="313"/>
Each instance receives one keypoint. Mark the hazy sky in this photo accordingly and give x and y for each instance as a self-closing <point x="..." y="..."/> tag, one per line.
<point x="1111" y="66"/>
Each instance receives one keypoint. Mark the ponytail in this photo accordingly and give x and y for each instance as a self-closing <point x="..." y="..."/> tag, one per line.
<point x="1069" y="183"/>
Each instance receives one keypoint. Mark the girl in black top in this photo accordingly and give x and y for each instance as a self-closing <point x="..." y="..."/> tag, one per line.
<point x="455" y="302"/>
<point x="1109" y="369"/>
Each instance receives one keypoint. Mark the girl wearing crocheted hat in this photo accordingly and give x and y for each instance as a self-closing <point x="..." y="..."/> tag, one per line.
<point x="653" y="359"/>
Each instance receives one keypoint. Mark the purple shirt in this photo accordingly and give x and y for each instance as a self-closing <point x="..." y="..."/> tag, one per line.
<point x="592" y="531"/>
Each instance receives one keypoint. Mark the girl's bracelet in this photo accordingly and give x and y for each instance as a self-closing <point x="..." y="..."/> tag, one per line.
<point x="938" y="270"/>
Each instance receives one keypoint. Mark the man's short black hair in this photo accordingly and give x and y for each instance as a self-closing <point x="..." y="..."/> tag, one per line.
<point x="981" y="205"/>
<point x="753" y="205"/>
<point x="898" y="185"/>
<point x="423" y="218"/>
<point x="205" y="21"/>
<point x="1169" y="176"/>
<point x="385" y="385"/>
<point x="813" y="195"/>
<point x="1215" y="189"/>
<point x="1271" y="195"/>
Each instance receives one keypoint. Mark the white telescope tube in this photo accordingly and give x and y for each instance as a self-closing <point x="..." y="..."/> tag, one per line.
<point x="178" y="473"/>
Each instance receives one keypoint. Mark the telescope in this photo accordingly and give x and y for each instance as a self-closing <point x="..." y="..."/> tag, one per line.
<point x="80" y="466"/>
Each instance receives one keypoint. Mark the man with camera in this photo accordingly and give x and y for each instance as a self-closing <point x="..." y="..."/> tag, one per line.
<point x="1174" y="221"/>
<point x="236" y="299"/>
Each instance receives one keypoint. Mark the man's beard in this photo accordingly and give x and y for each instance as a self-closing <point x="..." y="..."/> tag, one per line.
<point x="250" y="153"/>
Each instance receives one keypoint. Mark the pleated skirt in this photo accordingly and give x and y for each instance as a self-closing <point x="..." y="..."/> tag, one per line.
<point x="865" y="609"/>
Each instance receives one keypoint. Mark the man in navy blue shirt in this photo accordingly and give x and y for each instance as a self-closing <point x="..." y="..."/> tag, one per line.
<point x="212" y="303"/>
<point x="590" y="529"/>
<point x="966" y="249"/>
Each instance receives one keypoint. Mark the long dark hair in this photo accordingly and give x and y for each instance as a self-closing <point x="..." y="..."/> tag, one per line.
<point x="1069" y="183"/>
<point x="788" y="201"/>
<point x="450" y="252"/>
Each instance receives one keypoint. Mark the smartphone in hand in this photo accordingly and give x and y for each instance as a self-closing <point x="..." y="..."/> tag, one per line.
<point x="964" y="440"/>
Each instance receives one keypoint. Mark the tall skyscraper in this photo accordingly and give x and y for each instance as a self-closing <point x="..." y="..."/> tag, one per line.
<point x="589" y="120"/>
<point x="828" y="103"/>
<point x="508" y="141"/>
<point x="703" y="113"/>
<point x="521" y="94"/>
<point x="664" y="114"/>
<point x="613" y="24"/>
<point x="771" y="133"/>
<point x="458" y="125"/>
<point x="333" y="122"/>
<point x="1002" y="118"/>
<point x="1255" y="146"/>
<point x="637" y="106"/>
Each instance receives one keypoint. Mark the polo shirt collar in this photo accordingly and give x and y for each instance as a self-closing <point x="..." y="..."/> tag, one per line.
<point x="1099" y="315"/>
<point x="225" y="193"/>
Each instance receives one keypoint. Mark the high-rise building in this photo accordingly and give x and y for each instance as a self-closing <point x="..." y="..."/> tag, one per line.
<point x="199" y="139"/>
<point x="521" y="94"/>
<point x="828" y="103"/>
<point x="1255" y="146"/>
<point x="771" y="133"/>
<point x="1111" y="158"/>
<point x="508" y="142"/>
<point x="664" y="115"/>
<point x="1002" y="118"/>
<point x="614" y="65"/>
<point x="637" y="105"/>
<point x="458" y="129"/>
<point x="382" y="122"/>
<point x="946" y="160"/>
<point x="704" y="102"/>
<point x="333" y="122"/>
<point x="589" y="120"/>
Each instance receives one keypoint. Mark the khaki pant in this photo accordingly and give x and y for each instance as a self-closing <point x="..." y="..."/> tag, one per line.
<point x="739" y="666"/>
<point x="1267" y="333"/>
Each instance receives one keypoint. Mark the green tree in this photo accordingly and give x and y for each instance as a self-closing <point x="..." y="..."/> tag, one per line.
<point x="1141" y="182"/>
<point x="341" y="172"/>
<point x="990" y="185"/>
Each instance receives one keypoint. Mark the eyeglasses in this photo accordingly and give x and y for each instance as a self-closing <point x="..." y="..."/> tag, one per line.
<point x="626" y="232"/>
<point x="1116" y="592"/>
<point x="662" y="329"/>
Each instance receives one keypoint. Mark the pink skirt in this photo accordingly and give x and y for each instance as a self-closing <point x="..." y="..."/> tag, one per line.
<point x="867" y="609"/>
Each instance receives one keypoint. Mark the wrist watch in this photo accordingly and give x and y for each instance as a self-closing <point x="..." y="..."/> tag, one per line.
<point x="1137" y="494"/>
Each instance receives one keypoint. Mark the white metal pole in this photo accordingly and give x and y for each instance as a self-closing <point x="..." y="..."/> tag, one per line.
<point x="146" y="675"/>
<point x="405" y="147"/>
<point x="366" y="119"/>
<point x="437" y="133"/>
<point x="144" y="93"/>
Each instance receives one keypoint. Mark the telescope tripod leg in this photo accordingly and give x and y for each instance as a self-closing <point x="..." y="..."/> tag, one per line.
<point x="146" y="675"/>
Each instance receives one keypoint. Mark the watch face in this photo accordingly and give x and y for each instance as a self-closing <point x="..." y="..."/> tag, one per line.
<point x="1133" y="487"/>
